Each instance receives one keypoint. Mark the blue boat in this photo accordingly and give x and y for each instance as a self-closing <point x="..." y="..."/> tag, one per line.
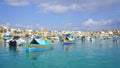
<point x="38" y="44"/>
<point x="6" y="37"/>
<point x="68" y="39"/>
<point x="67" y="43"/>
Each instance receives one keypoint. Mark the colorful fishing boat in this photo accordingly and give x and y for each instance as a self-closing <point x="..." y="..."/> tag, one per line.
<point x="68" y="39"/>
<point x="6" y="37"/>
<point x="38" y="44"/>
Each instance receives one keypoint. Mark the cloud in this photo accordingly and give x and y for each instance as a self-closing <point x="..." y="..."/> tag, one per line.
<point x="7" y="24"/>
<point x="69" y="24"/>
<point x="91" y="25"/>
<point x="88" y="25"/>
<point x="17" y="2"/>
<point x="91" y="22"/>
<point x="29" y="26"/>
<point x="57" y="8"/>
<point x="63" y="6"/>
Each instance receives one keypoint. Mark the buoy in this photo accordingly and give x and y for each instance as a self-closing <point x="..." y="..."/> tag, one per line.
<point x="52" y="41"/>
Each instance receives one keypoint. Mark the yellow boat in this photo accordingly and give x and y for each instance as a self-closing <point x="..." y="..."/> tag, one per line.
<point x="1" y="36"/>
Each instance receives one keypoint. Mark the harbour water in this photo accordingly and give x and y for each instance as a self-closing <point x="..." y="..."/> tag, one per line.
<point x="95" y="53"/>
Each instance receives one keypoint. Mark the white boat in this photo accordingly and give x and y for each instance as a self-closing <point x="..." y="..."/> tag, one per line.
<point x="53" y="38"/>
<point x="17" y="40"/>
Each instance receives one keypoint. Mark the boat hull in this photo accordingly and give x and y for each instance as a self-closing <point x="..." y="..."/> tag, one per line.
<point x="67" y="43"/>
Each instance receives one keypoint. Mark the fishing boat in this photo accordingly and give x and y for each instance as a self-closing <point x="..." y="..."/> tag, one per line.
<point x="16" y="41"/>
<point x="38" y="44"/>
<point x="68" y="39"/>
<point x="53" y="37"/>
<point x="1" y="36"/>
<point x="6" y="37"/>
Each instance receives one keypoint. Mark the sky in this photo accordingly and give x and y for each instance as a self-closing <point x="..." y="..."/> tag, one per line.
<point x="61" y="15"/>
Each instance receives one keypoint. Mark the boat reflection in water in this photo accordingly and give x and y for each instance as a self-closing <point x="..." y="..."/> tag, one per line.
<point x="13" y="48"/>
<point x="34" y="54"/>
<point x="69" y="47"/>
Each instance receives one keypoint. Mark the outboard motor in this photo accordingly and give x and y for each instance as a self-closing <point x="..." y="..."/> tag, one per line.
<point x="13" y="43"/>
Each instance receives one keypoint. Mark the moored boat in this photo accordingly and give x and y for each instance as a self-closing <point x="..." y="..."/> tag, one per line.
<point x="1" y="36"/>
<point x="16" y="41"/>
<point x="6" y="37"/>
<point x="68" y="39"/>
<point x="38" y="44"/>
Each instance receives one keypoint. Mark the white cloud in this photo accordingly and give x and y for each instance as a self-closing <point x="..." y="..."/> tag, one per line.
<point x="57" y="8"/>
<point x="69" y="24"/>
<point x="91" y="22"/>
<point x="29" y="26"/>
<point x="62" y="6"/>
<point x="91" y="25"/>
<point x="7" y="24"/>
<point x="17" y="2"/>
<point x="19" y="26"/>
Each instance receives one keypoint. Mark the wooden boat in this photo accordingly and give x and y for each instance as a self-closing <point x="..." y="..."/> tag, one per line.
<point x="68" y="39"/>
<point x="16" y="41"/>
<point x="38" y="44"/>
<point x="53" y="38"/>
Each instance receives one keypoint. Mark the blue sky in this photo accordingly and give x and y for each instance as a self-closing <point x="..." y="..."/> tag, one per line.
<point x="83" y="15"/>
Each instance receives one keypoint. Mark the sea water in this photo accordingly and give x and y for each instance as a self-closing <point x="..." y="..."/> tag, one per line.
<point x="95" y="53"/>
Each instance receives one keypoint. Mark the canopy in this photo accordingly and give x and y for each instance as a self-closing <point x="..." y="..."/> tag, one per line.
<point x="40" y="42"/>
